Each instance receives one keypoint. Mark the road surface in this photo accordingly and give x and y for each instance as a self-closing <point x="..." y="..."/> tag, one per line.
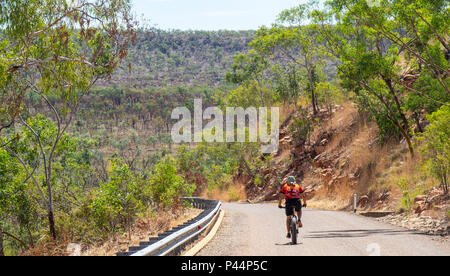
<point x="259" y="230"/>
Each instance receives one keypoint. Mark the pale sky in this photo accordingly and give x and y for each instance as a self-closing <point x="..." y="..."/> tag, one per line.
<point x="211" y="14"/>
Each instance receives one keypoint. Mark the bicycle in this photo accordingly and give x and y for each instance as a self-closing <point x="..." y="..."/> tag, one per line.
<point x="294" y="225"/>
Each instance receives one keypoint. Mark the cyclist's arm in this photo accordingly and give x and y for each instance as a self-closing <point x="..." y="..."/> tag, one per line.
<point x="303" y="198"/>
<point x="282" y="191"/>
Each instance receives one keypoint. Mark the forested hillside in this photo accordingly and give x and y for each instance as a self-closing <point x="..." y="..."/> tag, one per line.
<point x="164" y="70"/>
<point x="86" y="98"/>
<point x="180" y="58"/>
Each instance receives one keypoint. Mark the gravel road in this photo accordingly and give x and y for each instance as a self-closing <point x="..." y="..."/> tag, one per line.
<point x="259" y="230"/>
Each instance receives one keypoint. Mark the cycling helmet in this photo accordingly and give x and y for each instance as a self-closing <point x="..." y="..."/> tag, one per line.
<point x="291" y="179"/>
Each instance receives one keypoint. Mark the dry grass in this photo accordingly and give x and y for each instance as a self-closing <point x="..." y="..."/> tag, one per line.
<point x="286" y="110"/>
<point x="234" y="193"/>
<point x="400" y="167"/>
<point x="327" y="204"/>
<point x="380" y="167"/>
<point x="354" y="144"/>
<point x="47" y="247"/>
<point x="349" y="147"/>
<point x="143" y="229"/>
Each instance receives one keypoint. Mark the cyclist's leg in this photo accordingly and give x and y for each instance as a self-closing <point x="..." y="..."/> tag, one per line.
<point x="298" y="208"/>
<point x="289" y="213"/>
<point x="288" y="224"/>
<point x="300" y="224"/>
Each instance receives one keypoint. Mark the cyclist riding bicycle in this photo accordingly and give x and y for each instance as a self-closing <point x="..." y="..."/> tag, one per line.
<point x="292" y="193"/>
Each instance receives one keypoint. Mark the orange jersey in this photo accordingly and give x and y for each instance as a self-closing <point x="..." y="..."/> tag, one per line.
<point x="291" y="192"/>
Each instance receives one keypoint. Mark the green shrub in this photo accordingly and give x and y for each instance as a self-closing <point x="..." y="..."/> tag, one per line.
<point x="233" y="195"/>
<point x="411" y="188"/>
<point x="436" y="149"/>
<point x="300" y="129"/>
<point x="166" y="185"/>
<point x="116" y="202"/>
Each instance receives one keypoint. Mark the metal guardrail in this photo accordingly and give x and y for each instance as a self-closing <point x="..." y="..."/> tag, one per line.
<point x="174" y="241"/>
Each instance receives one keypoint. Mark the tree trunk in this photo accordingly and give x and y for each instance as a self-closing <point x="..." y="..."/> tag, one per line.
<point x="397" y="103"/>
<point x="313" y="96"/>
<point x="51" y="218"/>
<point x="317" y="102"/>
<point x="406" y="136"/>
<point x="31" y="236"/>
<point x="313" y="93"/>
<point x="312" y="84"/>
<point x="51" y="223"/>
<point x="392" y="116"/>
<point x="408" y="140"/>
<point x="444" y="183"/>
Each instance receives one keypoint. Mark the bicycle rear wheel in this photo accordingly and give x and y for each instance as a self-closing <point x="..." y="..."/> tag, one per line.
<point x="294" y="230"/>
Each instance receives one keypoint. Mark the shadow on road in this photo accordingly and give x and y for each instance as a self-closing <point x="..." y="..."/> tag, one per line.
<point x="288" y="244"/>
<point x="356" y="233"/>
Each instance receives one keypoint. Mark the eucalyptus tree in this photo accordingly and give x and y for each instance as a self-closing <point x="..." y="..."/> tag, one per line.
<point x="418" y="28"/>
<point x="404" y="43"/>
<point x="370" y="65"/>
<point x="248" y="70"/>
<point x="56" y="50"/>
<point x="293" y="41"/>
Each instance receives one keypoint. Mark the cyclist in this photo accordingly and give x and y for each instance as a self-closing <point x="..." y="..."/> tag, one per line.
<point x="292" y="193"/>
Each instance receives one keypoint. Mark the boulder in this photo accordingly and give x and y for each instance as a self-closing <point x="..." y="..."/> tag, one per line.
<point x="271" y="195"/>
<point x="384" y="195"/>
<point x="309" y="194"/>
<point x="323" y="142"/>
<point x="327" y="175"/>
<point x="420" y="198"/>
<point x="363" y="201"/>
<point x="418" y="210"/>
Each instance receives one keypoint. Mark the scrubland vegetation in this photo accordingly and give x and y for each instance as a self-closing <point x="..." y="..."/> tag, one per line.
<point x="86" y="98"/>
